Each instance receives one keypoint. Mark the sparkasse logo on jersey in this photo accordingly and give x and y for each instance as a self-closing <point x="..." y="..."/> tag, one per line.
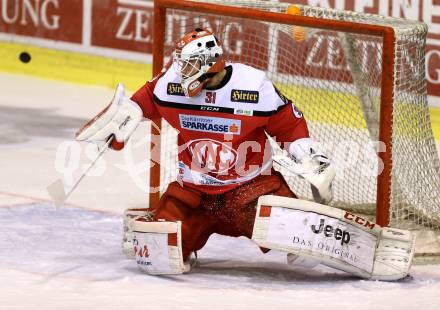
<point x="240" y="95"/>
<point x="175" y="89"/>
<point x="210" y="124"/>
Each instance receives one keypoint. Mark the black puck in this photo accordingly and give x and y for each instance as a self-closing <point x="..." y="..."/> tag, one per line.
<point x="24" y="57"/>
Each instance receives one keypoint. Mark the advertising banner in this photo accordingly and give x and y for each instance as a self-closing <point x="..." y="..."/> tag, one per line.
<point x="50" y="19"/>
<point x="125" y="27"/>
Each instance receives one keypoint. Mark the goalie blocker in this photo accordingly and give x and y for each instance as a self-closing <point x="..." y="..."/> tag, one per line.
<point x="333" y="237"/>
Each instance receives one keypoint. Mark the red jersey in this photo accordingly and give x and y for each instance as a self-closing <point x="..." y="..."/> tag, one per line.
<point x="222" y="132"/>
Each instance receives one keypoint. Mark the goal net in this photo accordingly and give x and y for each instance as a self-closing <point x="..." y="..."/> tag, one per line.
<point x="359" y="80"/>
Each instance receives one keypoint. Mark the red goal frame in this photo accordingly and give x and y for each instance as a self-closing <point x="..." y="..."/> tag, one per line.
<point x="387" y="82"/>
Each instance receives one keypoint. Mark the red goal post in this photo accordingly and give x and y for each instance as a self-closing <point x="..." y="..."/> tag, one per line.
<point x="389" y="82"/>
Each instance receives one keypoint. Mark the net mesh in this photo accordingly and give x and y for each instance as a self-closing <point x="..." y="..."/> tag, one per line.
<point x="334" y="79"/>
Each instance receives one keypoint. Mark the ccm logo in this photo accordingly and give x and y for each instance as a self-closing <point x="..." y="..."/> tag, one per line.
<point x="359" y="220"/>
<point x="205" y="108"/>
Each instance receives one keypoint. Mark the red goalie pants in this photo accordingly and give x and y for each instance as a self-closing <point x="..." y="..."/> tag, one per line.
<point x="230" y="214"/>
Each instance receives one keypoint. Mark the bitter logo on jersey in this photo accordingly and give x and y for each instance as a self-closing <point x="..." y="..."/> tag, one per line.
<point x="248" y="96"/>
<point x="175" y="89"/>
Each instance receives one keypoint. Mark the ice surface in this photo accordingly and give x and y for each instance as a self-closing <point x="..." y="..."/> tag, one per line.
<point x="70" y="258"/>
<point x="58" y="254"/>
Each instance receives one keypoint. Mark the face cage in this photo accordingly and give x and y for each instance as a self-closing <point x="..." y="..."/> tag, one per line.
<point x="189" y="65"/>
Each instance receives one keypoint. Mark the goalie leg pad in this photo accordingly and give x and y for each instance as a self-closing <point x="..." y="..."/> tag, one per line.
<point x="301" y="261"/>
<point x="238" y="211"/>
<point x="180" y="203"/>
<point x="394" y="254"/>
<point x="334" y="237"/>
<point x="129" y="217"/>
<point x="158" y="247"/>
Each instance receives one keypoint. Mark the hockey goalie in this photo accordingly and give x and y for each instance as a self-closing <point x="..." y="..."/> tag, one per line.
<point x="224" y="113"/>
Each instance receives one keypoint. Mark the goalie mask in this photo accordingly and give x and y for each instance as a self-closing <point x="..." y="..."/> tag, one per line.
<point x="197" y="58"/>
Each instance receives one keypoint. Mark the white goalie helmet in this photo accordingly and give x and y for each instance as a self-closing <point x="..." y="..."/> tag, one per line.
<point x="197" y="57"/>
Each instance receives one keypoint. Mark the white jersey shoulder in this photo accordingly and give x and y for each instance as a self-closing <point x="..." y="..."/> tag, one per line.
<point x="248" y="89"/>
<point x="247" y="77"/>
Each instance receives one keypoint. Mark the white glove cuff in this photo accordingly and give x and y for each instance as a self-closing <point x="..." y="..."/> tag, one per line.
<point x="300" y="148"/>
